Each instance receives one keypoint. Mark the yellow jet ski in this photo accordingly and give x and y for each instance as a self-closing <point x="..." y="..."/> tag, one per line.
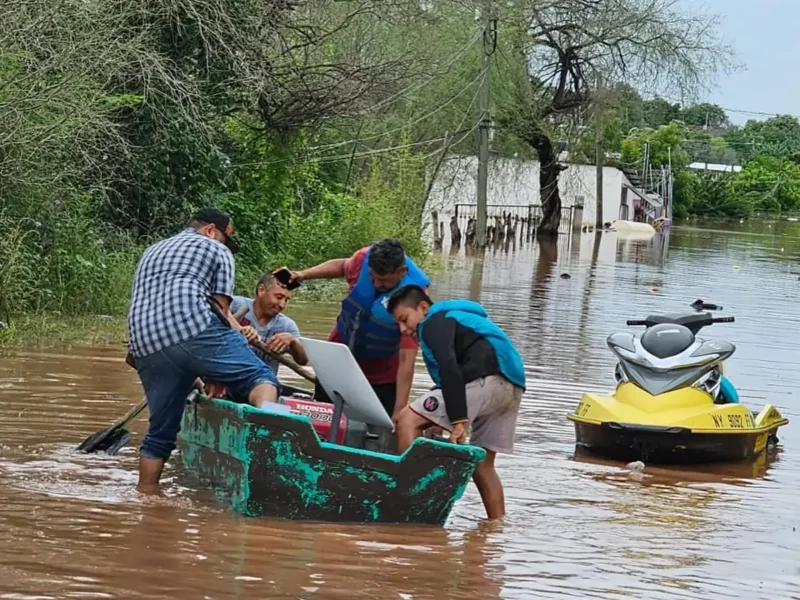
<point x="672" y="403"/>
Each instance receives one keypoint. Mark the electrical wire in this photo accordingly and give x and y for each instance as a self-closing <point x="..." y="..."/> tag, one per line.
<point x="405" y="126"/>
<point x="453" y="60"/>
<point x="752" y="113"/>
<point x="353" y="156"/>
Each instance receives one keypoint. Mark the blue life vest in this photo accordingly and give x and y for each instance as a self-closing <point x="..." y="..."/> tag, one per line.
<point x="364" y="323"/>
<point x="472" y="316"/>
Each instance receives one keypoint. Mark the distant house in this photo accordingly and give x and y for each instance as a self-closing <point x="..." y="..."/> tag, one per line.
<point x="513" y="188"/>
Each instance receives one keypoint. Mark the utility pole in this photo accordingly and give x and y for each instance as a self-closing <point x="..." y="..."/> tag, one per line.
<point x="599" y="156"/>
<point x="668" y="211"/>
<point x="489" y="42"/>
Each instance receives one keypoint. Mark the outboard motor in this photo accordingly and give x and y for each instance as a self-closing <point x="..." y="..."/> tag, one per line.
<point x="353" y="434"/>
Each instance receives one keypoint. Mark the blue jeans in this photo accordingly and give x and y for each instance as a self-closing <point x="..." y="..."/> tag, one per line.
<point x="219" y="354"/>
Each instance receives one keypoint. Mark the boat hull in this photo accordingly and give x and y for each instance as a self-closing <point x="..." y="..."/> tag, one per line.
<point x="669" y="445"/>
<point x="274" y="465"/>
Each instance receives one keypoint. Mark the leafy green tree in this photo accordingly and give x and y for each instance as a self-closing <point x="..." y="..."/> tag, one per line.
<point x="666" y="144"/>
<point x="778" y="137"/>
<point x="704" y="147"/>
<point x="569" y="46"/>
<point x="771" y="184"/>
<point x="658" y="112"/>
<point x="707" y="115"/>
<point x="684" y="190"/>
<point x="714" y="197"/>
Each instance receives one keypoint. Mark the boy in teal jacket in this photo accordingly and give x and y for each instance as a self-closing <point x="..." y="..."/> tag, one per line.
<point x="479" y="377"/>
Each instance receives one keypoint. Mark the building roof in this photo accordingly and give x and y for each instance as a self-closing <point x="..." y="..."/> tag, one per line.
<point x="702" y="166"/>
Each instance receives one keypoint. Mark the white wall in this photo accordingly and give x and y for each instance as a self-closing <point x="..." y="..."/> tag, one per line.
<point x="516" y="182"/>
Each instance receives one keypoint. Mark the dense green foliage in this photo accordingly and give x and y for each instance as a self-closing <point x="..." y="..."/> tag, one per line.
<point x="768" y="152"/>
<point x="318" y="124"/>
<point x="118" y="120"/>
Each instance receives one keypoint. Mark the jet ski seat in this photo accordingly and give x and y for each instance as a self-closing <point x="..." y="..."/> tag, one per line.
<point x="667" y="339"/>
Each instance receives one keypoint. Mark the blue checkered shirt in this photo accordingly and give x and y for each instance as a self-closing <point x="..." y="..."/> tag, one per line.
<point x="171" y="286"/>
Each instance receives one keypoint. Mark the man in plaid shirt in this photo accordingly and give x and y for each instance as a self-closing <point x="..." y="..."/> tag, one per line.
<point x="175" y="338"/>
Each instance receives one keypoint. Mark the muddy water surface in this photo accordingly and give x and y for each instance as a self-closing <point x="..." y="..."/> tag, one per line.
<point x="71" y="526"/>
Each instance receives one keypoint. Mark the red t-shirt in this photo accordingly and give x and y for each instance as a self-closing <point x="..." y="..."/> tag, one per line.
<point x="377" y="370"/>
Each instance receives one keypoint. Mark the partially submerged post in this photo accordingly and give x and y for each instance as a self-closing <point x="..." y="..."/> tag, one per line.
<point x="455" y="233"/>
<point x="437" y="238"/>
<point x="577" y="219"/>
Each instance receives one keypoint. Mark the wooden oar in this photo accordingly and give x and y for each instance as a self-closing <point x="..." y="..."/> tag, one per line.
<point x="287" y="362"/>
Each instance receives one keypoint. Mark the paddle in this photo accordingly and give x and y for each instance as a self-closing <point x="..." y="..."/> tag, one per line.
<point x="113" y="438"/>
<point x="287" y="362"/>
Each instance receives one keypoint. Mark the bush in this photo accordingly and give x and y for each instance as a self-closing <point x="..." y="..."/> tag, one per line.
<point x="65" y="263"/>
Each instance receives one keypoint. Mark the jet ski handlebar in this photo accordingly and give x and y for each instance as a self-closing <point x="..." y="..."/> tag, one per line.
<point x="691" y="321"/>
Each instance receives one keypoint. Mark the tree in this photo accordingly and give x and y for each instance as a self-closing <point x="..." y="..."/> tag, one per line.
<point x="684" y="193"/>
<point x="666" y="145"/>
<point x="771" y="184"/>
<point x="658" y="112"/>
<point x="715" y="197"/>
<point x="778" y="137"/>
<point x="133" y="101"/>
<point x="570" y="45"/>
<point x="709" y="116"/>
<point x="707" y="148"/>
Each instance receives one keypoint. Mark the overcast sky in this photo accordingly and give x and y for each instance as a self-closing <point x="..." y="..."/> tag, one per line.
<point x="766" y="36"/>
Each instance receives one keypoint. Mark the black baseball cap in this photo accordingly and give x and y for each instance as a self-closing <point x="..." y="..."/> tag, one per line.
<point x="222" y="221"/>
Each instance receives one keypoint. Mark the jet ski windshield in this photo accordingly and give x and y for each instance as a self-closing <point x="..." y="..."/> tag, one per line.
<point x="668" y="355"/>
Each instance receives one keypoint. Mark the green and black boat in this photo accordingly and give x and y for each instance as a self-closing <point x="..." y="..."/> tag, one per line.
<point x="275" y="464"/>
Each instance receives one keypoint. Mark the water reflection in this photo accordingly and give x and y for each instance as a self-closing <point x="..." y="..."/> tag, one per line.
<point x="577" y="526"/>
<point x="740" y="473"/>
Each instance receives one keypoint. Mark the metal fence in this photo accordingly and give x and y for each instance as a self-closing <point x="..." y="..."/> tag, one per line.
<point x="527" y="215"/>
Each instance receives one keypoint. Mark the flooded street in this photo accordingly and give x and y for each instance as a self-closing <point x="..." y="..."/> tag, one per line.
<point x="71" y="526"/>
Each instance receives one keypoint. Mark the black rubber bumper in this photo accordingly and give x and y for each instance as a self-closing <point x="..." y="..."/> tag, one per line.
<point x="663" y="445"/>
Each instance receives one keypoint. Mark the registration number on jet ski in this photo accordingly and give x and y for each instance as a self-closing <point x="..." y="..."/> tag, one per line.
<point x="734" y="421"/>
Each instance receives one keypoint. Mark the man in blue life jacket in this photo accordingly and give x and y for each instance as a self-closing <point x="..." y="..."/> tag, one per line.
<point x="479" y="377"/>
<point x="385" y="356"/>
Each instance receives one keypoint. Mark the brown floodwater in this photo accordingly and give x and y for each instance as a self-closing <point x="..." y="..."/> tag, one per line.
<point x="71" y="526"/>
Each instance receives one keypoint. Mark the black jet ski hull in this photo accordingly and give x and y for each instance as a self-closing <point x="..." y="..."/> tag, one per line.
<point x="668" y="445"/>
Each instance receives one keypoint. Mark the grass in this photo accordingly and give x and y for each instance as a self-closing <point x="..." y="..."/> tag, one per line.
<point x="49" y="330"/>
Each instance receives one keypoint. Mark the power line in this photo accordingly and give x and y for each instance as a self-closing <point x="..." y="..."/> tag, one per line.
<point x="453" y="60"/>
<point x="753" y="113"/>
<point x="405" y="126"/>
<point x="327" y="159"/>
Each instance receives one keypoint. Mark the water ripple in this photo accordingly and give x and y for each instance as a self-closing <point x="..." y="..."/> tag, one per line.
<point x="71" y="526"/>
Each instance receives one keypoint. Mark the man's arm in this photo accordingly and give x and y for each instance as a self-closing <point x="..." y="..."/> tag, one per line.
<point x="225" y="304"/>
<point x="405" y="377"/>
<point x="222" y="286"/>
<point x="439" y="335"/>
<point x="296" y="348"/>
<point x="332" y="269"/>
